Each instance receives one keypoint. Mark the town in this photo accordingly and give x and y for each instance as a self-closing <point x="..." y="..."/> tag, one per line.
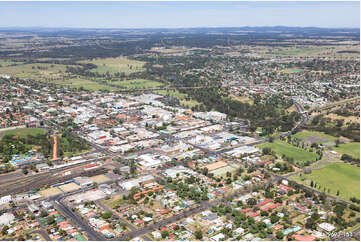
<point x="138" y="135"/>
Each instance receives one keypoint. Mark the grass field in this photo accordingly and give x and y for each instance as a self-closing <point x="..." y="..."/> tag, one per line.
<point x="335" y="176"/>
<point x="305" y="134"/>
<point x="35" y="71"/>
<point x="137" y="84"/>
<point x="78" y="82"/>
<point x="24" y="132"/>
<point x="283" y="148"/>
<point x="183" y="98"/>
<point x="114" y="65"/>
<point x="352" y="149"/>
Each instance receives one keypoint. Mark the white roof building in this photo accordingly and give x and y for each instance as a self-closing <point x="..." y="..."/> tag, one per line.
<point x="6" y="219"/>
<point x="326" y="227"/>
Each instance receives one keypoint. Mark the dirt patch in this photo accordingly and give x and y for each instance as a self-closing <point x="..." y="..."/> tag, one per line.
<point x="315" y="139"/>
<point x="69" y="187"/>
<point x="50" y="192"/>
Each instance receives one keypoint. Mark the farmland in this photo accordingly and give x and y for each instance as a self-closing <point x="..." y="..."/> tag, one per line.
<point x="116" y="65"/>
<point x="352" y="149"/>
<point x="35" y="71"/>
<point x="283" y="148"/>
<point x="336" y="177"/>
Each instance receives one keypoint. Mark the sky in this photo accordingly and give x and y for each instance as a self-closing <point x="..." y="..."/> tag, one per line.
<point x="179" y="14"/>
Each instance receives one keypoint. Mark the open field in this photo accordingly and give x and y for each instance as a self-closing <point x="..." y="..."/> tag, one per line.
<point x="283" y="148"/>
<point x="78" y="82"/>
<point x="352" y="149"/>
<point x="114" y="202"/>
<point x="314" y="137"/>
<point x="115" y="65"/>
<point x="35" y="71"/>
<point x="24" y="132"/>
<point x="137" y="84"/>
<point x="346" y="119"/>
<point x="50" y="192"/>
<point x="99" y="178"/>
<point x="183" y="98"/>
<point x="69" y="187"/>
<point x="335" y="176"/>
<point x="242" y="99"/>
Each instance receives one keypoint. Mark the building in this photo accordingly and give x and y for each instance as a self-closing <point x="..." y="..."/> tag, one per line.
<point x="83" y="181"/>
<point x="326" y="227"/>
<point x="6" y="219"/>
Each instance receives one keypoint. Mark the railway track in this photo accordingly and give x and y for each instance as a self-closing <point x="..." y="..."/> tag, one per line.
<point x="41" y="180"/>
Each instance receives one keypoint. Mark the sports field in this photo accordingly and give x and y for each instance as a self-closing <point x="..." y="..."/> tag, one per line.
<point x="352" y="149"/>
<point x="115" y="65"/>
<point x="24" y="132"/>
<point x="283" y="148"/>
<point x="335" y="176"/>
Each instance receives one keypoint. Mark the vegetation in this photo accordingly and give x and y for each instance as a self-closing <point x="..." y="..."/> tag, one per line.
<point x="298" y="154"/>
<point x="334" y="177"/>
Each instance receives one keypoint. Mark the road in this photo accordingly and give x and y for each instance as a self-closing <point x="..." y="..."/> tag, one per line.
<point x="115" y="213"/>
<point x="92" y="235"/>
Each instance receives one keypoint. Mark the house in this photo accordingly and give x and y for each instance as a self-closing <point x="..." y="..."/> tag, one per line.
<point x="218" y="237"/>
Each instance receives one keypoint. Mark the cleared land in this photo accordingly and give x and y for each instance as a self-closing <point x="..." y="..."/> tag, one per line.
<point x="50" y="192"/>
<point x="99" y="178"/>
<point x="315" y="137"/>
<point x="336" y="177"/>
<point x="352" y="149"/>
<point x="24" y="132"/>
<point x="137" y="84"/>
<point x="79" y="82"/>
<point x="182" y="97"/>
<point x="283" y="148"/>
<point x="116" y="65"/>
<point x="45" y="72"/>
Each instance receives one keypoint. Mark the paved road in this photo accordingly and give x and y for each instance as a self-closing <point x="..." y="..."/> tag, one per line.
<point x="129" y="225"/>
<point x="204" y="205"/>
<point x="42" y="233"/>
<point x="92" y="235"/>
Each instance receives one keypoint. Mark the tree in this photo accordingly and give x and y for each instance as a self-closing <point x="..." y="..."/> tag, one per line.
<point x="198" y="234"/>
<point x="165" y="234"/>
<point x="279" y="235"/>
<point x="106" y="215"/>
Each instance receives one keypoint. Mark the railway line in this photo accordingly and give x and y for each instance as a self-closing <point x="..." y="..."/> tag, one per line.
<point x="38" y="181"/>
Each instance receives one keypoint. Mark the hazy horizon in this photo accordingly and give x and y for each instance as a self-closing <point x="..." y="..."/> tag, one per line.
<point x="153" y="15"/>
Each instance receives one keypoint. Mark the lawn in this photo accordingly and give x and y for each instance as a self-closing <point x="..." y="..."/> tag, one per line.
<point x="137" y="84"/>
<point x="283" y="148"/>
<point x="114" y="65"/>
<point x="352" y="149"/>
<point x="335" y="176"/>
<point x="24" y="132"/>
